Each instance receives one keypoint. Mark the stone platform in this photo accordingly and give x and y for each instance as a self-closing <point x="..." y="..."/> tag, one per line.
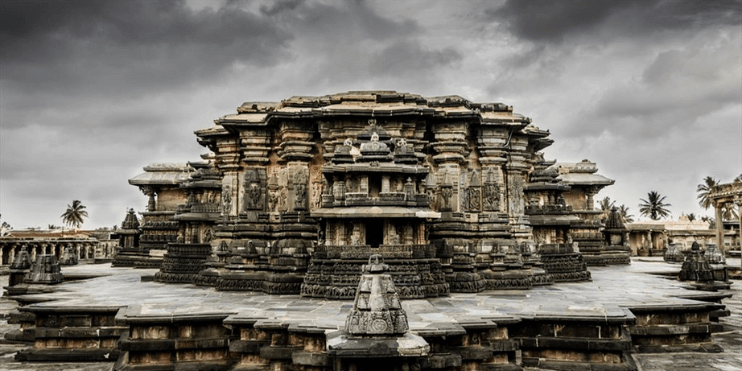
<point x="607" y="301"/>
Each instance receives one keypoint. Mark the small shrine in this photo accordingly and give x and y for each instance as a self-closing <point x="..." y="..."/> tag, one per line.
<point x="68" y="257"/>
<point x="700" y="273"/>
<point x="18" y="269"/>
<point x="45" y="270"/>
<point x="376" y="328"/>
<point x="617" y="249"/>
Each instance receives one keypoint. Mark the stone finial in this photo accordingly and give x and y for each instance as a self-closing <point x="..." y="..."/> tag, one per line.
<point x="376" y="310"/>
<point x="375" y="264"/>
<point x="22" y="260"/>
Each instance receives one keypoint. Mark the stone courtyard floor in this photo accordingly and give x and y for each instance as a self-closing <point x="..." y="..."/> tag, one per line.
<point x="612" y="288"/>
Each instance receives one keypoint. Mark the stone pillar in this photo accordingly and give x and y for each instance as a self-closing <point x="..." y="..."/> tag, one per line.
<point x="150" y="192"/>
<point x="719" y="227"/>
<point x="590" y="192"/>
<point x="384" y="183"/>
<point x="738" y="202"/>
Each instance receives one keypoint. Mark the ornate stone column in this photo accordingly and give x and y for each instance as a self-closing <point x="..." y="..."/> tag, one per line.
<point x="738" y="202"/>
<point x="151" y="193"/>
<point x="590" y="192"/>
<point x="719" y="226"/>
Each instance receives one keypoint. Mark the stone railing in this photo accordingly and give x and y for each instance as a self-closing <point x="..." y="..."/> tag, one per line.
<point x="548" y="209"/>
<point x="158" y="237"/>
<point x="161" y="225"/>
<point x="365" y="251"/>
<point x="188" y="249"/>
<point x="587" y="236"/>
<point x="556" y="248"/>
<point x="198" y="208"/>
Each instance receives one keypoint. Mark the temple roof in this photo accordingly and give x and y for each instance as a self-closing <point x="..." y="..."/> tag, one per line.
<point x="374" y="103"/>
<point x="162" y="174"/>
<point x="580" y="173"/>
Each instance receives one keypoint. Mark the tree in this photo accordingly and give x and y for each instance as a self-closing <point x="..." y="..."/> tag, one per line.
<point x="654" y="206"/>
<point x="606" y="205"/>
<point x="623" y="211"/>
<point x="74" y="214"/>
<point x="727" y="210"/>
<point x="4" y="228"/>
<point x="711" y="221"/>
<point x="703" y="191"/>
<point x="691" y="217"/>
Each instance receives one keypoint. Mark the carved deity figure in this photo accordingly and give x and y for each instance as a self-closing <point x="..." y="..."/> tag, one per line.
<point x="227" y="200"/>
<point x="301" y="194"/>
<point x="253" y="195"/>
<point x="446" y="193"/>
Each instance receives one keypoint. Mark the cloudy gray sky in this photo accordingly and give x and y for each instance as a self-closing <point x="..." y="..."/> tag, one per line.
<point x="92" y="91"/>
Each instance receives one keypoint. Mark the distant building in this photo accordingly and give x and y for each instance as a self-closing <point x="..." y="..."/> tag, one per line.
<point x="87" y="245"/>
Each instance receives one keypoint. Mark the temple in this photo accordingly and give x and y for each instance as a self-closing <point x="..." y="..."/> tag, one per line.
<point x="295" y="196"/>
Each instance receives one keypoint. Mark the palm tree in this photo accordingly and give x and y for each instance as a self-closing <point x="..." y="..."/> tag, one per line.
<point x="703" y="191"/>
<point x="605" y="206"/>
<point x="711" y="221"/>
<point x="624" y="212"/>
<point x="74" y="214"/>
<point x="654" y="207"/>
<point x="727" y="210"/>
<point x="691" y="217"/>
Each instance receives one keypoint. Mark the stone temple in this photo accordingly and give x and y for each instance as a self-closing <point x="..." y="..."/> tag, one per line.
<point x="295" y="196"/>
<point x="369" y="230"/>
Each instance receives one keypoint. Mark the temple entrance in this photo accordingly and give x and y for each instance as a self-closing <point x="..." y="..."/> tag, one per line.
<point x="375" y="232"/>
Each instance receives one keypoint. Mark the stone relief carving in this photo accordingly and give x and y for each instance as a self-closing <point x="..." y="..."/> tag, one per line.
<point x="226" y="200"/>
<point x="446" y="194"/>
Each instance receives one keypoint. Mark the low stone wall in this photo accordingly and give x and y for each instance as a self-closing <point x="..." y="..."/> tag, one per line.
<point x="148" y="338"/>
<point x="159" y="342"/>
<point x="676" y="328"/>
<point x="71" y="334"/>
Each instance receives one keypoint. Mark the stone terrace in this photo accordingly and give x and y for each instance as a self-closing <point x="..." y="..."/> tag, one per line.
<point x="612" y="290"/>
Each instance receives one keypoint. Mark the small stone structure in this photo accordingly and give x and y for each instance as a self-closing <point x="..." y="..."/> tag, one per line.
<point x="68" y="257"/>
<point x="45" y="270"/>
<point x="703" y="275"/>
<point x="617" y="250"/>
<point x="673" y="254"/>
<point x="160" y="182"/>
<point x="727" y="195"/>
<point x="19" y="268"/>
<point x="376" y="326"/>
<point x="127" y="251"/>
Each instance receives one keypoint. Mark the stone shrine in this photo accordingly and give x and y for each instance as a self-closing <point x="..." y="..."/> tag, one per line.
<point x="700" y="273"/>
<point x="376" y="327"/>
<point x="617" y="250"/>
<point x="454" y="195"/>
<point x="19" y="268"/>
<point x="45" y="270"/>
<point x="127" y="251"/>
<point x="160" y="183"/>
<point x="68" y="257"/>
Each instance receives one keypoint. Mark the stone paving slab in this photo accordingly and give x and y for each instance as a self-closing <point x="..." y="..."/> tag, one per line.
<point x="612" y="288"/>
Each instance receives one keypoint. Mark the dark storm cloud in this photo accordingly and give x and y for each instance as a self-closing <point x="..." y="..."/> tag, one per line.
<point x="127" y="47"/>
<point x="553" y="21"/>
<point x="406" y="56"/>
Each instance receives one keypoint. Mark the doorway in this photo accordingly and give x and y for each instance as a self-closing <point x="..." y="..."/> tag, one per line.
<point x="375" y="232"/>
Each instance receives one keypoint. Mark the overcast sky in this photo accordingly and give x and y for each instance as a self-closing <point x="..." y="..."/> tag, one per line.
<point x="92" y="91"/>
